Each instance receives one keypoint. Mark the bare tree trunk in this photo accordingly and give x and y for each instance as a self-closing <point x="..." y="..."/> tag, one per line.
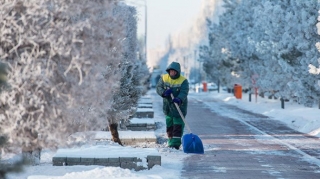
<point x="114" y="133"/>
<point x="32" y="156"/>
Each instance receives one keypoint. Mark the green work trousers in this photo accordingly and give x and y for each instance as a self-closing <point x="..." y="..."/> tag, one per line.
<point x="175" y="126"/>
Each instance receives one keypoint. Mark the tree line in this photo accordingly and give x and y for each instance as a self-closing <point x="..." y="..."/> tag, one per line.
<point x="269" y="45"/>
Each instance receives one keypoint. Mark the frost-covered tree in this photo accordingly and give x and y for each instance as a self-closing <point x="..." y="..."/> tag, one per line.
<point x="290" y="35"/>
<point x="274" y="42"/>
<point x="312" y="68"/>
<point x="30" y="48"/>
<point x="218" y="62"/>
<point x="133" y="74"/>
<point x="62" y="59"/>
<point x="126" y="96"/>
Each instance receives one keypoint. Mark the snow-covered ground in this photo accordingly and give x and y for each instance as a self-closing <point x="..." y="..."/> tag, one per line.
<point x="295" y="116"/>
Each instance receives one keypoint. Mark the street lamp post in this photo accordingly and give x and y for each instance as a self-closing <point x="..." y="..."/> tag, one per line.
<point x="145" y="29"/>
<point x="136" y="3"/>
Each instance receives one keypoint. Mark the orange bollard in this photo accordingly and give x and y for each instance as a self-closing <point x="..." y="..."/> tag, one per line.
<point x="238" y="91"/>
<point x="205" y="89"/>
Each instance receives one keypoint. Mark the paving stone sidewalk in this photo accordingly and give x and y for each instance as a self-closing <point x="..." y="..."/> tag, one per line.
<point x="237" y="149"/>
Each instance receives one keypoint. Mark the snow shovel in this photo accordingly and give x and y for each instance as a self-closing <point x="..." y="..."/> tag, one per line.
<point x="191" y="143"/>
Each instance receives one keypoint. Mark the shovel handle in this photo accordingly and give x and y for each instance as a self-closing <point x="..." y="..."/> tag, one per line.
<point x="178" y="108"/>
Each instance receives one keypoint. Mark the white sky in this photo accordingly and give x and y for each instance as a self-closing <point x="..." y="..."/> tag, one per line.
<point x="295" y="116"/>
<point x="167" y="17"/>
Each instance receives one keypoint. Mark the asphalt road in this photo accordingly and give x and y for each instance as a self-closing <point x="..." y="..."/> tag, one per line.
<point x="244" y="145"/>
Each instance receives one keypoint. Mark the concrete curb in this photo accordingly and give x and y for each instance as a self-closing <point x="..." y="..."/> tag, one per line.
<point x="144" y="113"/>
<point x="122" y="162"/>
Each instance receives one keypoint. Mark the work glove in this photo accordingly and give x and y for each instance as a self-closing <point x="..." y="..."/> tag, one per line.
<point x="177" y="100"/>
<point x="167" y="93"/>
